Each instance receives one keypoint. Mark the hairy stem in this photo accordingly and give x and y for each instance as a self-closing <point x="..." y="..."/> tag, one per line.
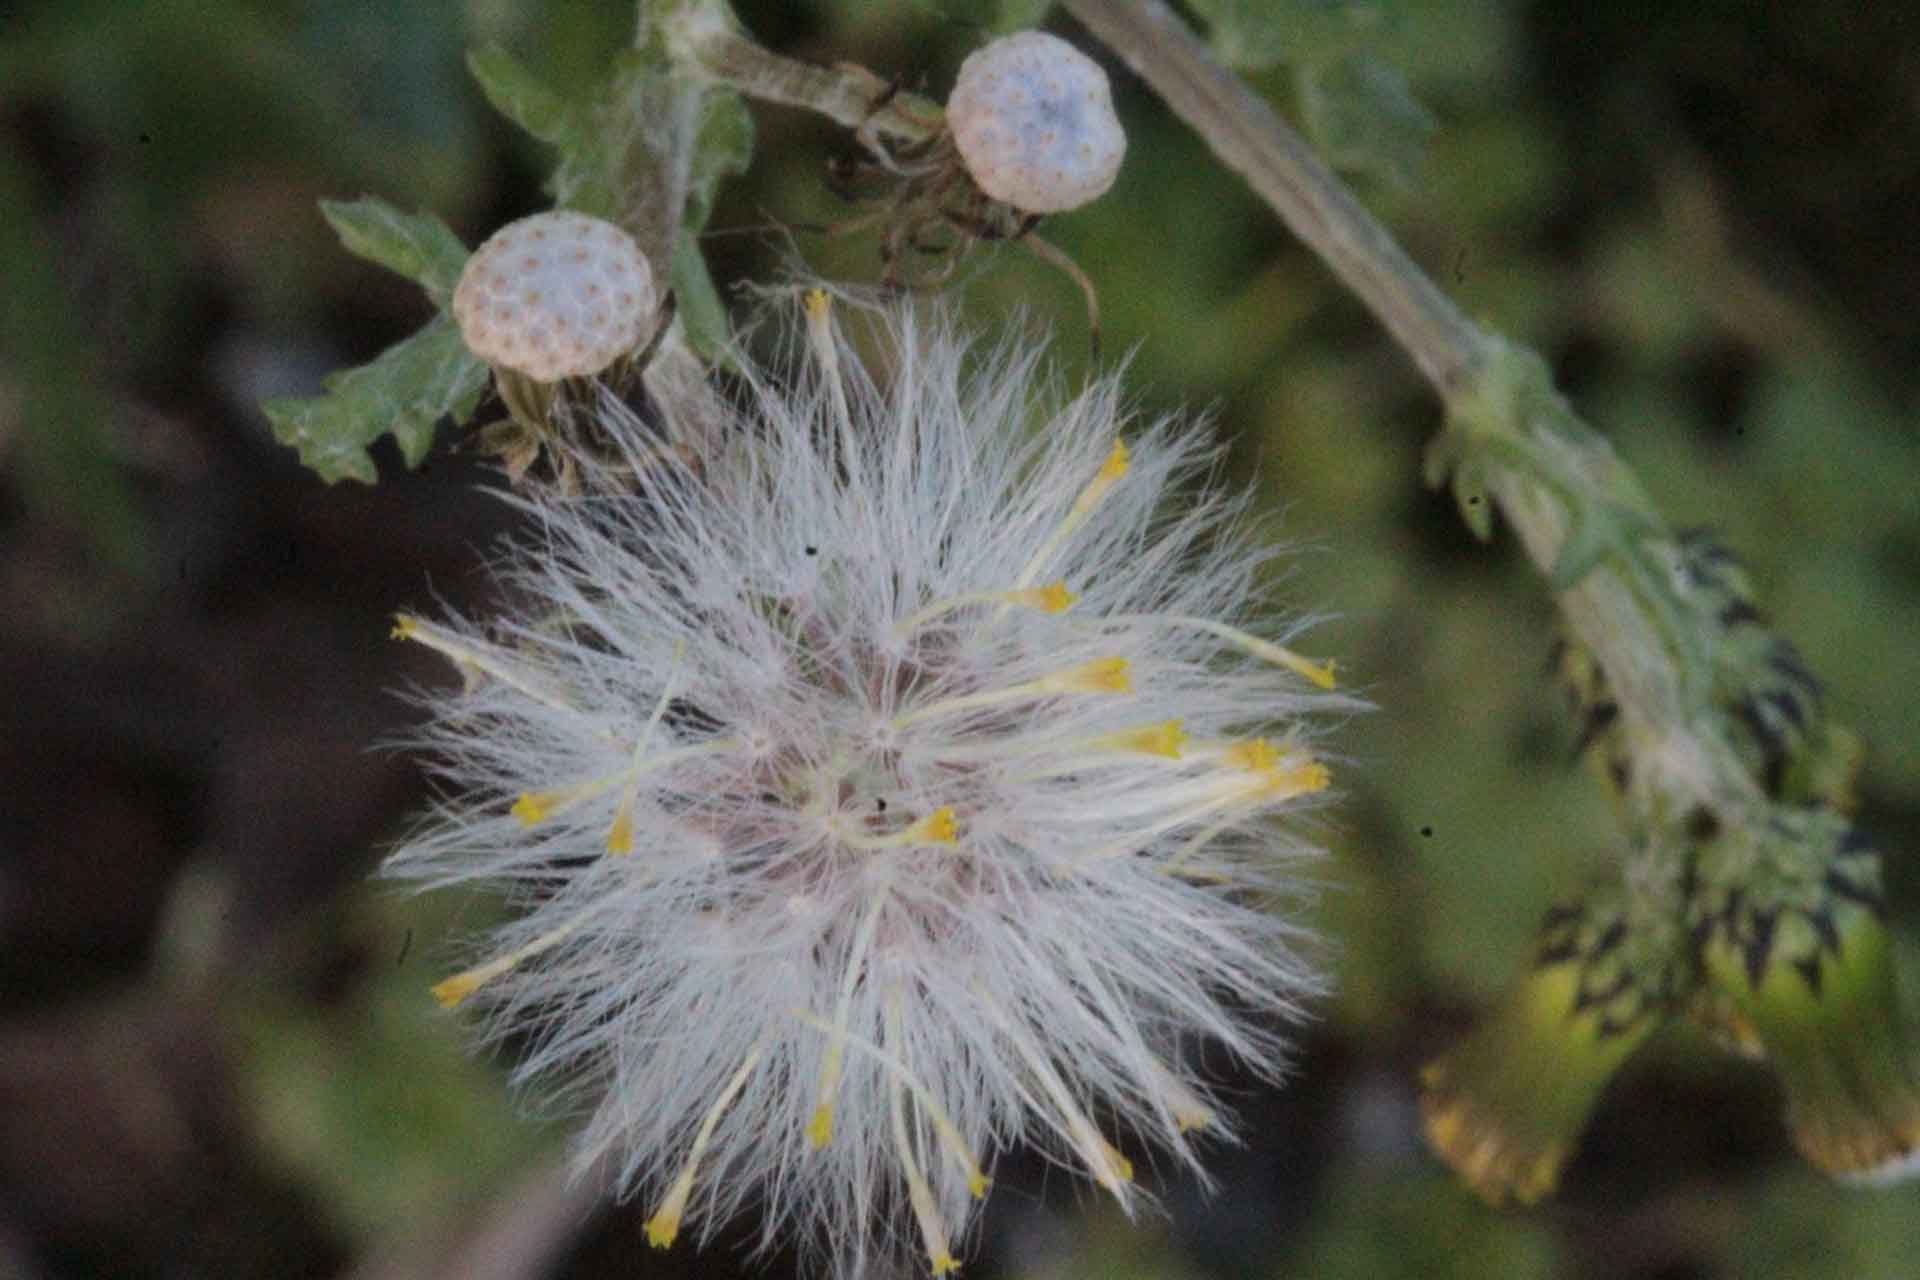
<point x="704" y="34"/>
<point x="1549" y="472"/>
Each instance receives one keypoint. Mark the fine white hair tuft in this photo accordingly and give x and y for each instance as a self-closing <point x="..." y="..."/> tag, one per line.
<point x="893" y="784"/>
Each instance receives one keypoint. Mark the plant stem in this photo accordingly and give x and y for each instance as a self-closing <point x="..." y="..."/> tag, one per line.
<point x="1493" y="390"/>
<point x="704" y="34"/>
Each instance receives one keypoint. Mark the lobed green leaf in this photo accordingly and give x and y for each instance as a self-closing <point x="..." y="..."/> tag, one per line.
<point x="416" y="245"/>
<point x="519" y="95"/>
<point x="405" y="392"/>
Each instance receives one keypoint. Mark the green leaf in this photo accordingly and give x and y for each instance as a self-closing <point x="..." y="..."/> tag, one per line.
<point x="406" y="391"/>
<point x="700" y="309"/>
<point x="1471" y="496"/>
<point x="581" y="179"/>
<point x="646" y="148"/>
<point x="1249" y="34"/>
<point x="418" y="246"/>
<point x="519" y="95"/>
<point x="1363" y="117"/>
<point x="1601" y="531"/>
<point x="997" y="16"/>
<point x="724" y="147"/>
<point x="1442" y="454"/>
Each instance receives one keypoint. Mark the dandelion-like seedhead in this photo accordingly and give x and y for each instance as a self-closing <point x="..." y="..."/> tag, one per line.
<point x="894" y="785"/>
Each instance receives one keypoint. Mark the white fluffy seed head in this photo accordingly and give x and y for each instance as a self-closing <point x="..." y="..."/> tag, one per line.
<point x="1033" y="119"/>
<point x="897" y="786"/>
<point x="557" y="295"/>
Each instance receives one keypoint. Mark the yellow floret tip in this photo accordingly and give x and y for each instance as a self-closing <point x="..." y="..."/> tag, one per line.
<point x="1117" y="462"/>
<point x="1167" y="739"/>
<point x="938" y="827"/>
<point x="1312" y="776"/>
<point x="620" y="839"/>
<point x="1302" y="779"/>
<point x="456" y="989"/>
<point x="663" y="1228"/>
<point x="1164" y="739"/>
<point x="1103" y="675"/>
<point x="404" y="626"/>
<point x="1054" y="598"/>
<point x="945" y="1264"/>
<point x="977" y="1184"/>
<point x="820" y="1128"/>
<point x="1256" y="755"/>
<point x="817" y="303"/>
<point x="533" y="806"/>
<point x="1320" y="673"/>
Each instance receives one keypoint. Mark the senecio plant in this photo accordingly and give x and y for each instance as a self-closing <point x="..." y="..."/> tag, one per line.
<point x="883" y="754"/>
<point x="891" y="786"/>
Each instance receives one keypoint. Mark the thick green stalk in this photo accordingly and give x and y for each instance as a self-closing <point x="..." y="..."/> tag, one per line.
<point x="1746" y="898"/>
<point x="1510" y="439"/>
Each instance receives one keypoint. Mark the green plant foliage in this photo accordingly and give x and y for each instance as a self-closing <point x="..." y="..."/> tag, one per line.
<point x="406" y="391"/>
<point x="1364" y="117"/>
<point x="417" y="246"/>
<point x="1353" y="101"/>
<point x="365" y="1108"/>
<point x="992" y="15"/>
<point x="724" y="148"/>
<point x="52" y="364"/>
<point x="647" y="148"/>
<point x="1369" y="1216"/>
<point x="1251" y="34"/>
<point x="519" y="95"/>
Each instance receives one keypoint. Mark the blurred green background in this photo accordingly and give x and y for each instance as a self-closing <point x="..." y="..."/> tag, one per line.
<point x="217" y="1055"/>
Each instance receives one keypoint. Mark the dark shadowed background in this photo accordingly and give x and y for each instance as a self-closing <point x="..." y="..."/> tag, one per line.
<point x="217" y="1053"/>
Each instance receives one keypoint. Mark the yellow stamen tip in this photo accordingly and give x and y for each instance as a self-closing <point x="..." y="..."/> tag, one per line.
<point x="1313" y="776"/>
<point x="939" y="827"/>
<point x="620" y="839"/>
<point x="1301" y="779"/>
<point x="1105" y="675"/>
<point x="1256" y="755"/>
<point x="404" y="625"/>
<point x="1117" y="462"/>
<point x="1055" y="598"/>
<point x="817" y="302"/>
<point x="1165" y="740"/>
<point x="1117" y="1164"/>
<point x="455" y="989"/>
<point x="663" y="1228"/>
<point x="945" y="1264"/>
<point x="1321" y="673"/>
<point x="532" y="807"/>
<point x="977" y="1184"/>
<point x="820" y="1128"/>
